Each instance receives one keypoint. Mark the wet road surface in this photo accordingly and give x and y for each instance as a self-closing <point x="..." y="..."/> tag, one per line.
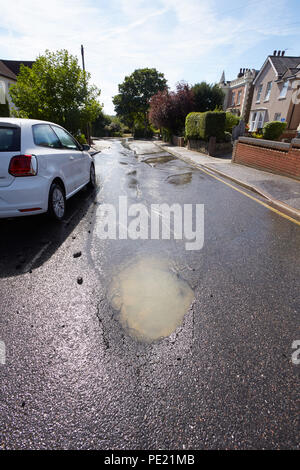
<point x="84" y="368"/>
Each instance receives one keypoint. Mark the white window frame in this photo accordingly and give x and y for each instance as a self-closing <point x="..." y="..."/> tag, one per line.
<point x="233" y="98"/>
<point x="253" y="120"/>
<point x="259" y="92"/>
<point x="260" y="119"/>
<point x="239" y="97"/>
<point x="268" y="91"/>
<point x="284" y="90"/>
<point x="257" y="117"/>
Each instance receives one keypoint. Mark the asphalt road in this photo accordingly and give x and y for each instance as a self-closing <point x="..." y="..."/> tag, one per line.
<point x="82" y="373"/>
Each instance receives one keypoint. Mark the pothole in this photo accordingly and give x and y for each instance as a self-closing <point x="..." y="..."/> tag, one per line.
<point x="178" y="180"/>
<point x="158" y="159"/>
<point x="150" y="299"/>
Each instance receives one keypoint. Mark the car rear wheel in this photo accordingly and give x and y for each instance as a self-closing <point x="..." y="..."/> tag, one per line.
<point x="57" y="202"/>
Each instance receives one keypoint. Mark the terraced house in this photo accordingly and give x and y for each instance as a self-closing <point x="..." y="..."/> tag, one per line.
<point x="275" y="96"/>
<point x="238" y="93"/>
<point x="9" y="69"/>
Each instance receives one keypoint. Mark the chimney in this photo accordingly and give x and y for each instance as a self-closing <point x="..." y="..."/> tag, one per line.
<point x="275" y="52"/>
<point x="282" y="54"/>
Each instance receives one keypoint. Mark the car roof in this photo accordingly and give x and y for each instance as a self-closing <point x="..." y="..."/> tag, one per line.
<point x="24" y="122"/>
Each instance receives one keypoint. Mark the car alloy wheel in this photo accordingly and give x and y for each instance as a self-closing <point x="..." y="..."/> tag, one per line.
<point x="57" y="202"/>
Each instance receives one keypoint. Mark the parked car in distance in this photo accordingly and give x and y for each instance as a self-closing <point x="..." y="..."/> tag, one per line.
<point x="41" y="166"/>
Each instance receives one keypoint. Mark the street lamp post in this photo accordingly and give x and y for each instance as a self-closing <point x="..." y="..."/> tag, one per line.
<point x="83" y="68"/>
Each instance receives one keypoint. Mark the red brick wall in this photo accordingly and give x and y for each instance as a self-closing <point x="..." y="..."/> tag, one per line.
<point x="284" y="162"/>
<point x="178" y="141"/>
<point x="236" y="91"/>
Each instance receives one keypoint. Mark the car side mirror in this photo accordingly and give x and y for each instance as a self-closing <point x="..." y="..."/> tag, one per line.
<point x="85" y="147"/>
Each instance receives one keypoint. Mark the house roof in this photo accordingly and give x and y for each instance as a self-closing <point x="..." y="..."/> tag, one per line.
<point x="280" y="65"/>
<point x="6" y="72"/>
<point x="283" y="63"/>
<point x="14" y="65"/>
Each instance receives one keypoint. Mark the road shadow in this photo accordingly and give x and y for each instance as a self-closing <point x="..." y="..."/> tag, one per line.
<point x="27" y="242"/>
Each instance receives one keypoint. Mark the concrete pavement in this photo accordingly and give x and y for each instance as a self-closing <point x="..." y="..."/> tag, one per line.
<point x="283" y="192"/>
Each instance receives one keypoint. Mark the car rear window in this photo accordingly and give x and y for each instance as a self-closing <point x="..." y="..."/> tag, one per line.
<point x="10" y="139"/>
<point x="44" y="136"/>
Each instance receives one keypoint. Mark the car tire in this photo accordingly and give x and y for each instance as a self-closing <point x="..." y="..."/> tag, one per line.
<point x="57" y="202"/>
<point x="92" y="183"/>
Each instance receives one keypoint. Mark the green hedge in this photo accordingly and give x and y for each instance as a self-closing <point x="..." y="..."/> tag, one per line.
<point x="142" y="132"/>
<point x="166" y="135"/>
<point x="231" y="121"/>
<point x="273" y="130"/>
<point x="202" y="126"/>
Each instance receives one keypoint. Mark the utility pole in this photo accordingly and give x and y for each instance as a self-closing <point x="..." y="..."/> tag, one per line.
<point x="83" y="68"/>
<point x="82" y="55"/>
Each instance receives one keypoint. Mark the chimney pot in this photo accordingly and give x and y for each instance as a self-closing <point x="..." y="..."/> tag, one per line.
<point x="283" y="52"/>
<point x="279" y="53"/>
<point x="275" y="52"/>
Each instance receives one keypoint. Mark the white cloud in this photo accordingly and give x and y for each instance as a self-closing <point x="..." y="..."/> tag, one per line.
<point x="188" y="39"/>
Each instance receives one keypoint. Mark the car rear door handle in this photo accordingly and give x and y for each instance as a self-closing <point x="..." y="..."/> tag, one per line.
<point x="71" y="158"/>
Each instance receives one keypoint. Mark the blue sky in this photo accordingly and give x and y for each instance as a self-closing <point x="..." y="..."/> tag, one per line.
<point x="191" y="40"/>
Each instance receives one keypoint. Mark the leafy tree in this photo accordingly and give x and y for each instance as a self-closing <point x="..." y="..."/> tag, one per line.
<point x="99" y="125"/>
<point x="161" y="109"/>
<point x="231" y="121"/>
<point x="168" y="110"/>
<point x="107" y="126"/>
<point x="207" y="97"/>
<point x="132" y="101"/>
<point x="56" y="89"/>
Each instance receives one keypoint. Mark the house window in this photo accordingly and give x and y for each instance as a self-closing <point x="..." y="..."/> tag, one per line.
<point x="284" y="90"/>
<point x="239" y="97"/>
<point x="233" y="99"/>
<point x="260" y="120"/>
<point x="259" y="93"/>
<point x="253" y="121"/>
<point x="2" y="92"/>
<point x="268" y="91"/>
<point x="277" y="117"/>
<point x="257" y="120"/>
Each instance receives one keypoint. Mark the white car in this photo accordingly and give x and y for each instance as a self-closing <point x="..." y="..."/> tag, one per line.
<point x="41" y="166"/>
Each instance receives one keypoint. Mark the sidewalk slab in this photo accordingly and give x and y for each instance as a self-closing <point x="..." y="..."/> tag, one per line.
<point x="280" y="190"/>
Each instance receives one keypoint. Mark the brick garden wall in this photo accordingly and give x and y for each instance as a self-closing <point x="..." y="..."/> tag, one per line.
<point x="178" y="141"/>
<point x="276" y="157"/>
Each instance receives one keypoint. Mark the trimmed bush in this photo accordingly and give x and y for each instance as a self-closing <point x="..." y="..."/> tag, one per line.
<point x="166" y="135"/>
<point x="202" y="126"/>
<point x="141" y="132"/>
<point x="273" y="130"/>
<point x="227" y="137"/>
<point x="231" y="121"/>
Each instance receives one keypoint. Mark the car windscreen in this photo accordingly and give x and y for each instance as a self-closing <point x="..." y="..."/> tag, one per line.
<point x="10" y="139"/>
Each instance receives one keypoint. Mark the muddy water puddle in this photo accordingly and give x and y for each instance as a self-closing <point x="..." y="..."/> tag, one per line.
<point x="180" y="179"/>
<point x="150" y="299"/>
<point x="158" y="159"/>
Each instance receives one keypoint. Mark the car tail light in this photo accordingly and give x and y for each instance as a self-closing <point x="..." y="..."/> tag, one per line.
<point x="23" y="165"/>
